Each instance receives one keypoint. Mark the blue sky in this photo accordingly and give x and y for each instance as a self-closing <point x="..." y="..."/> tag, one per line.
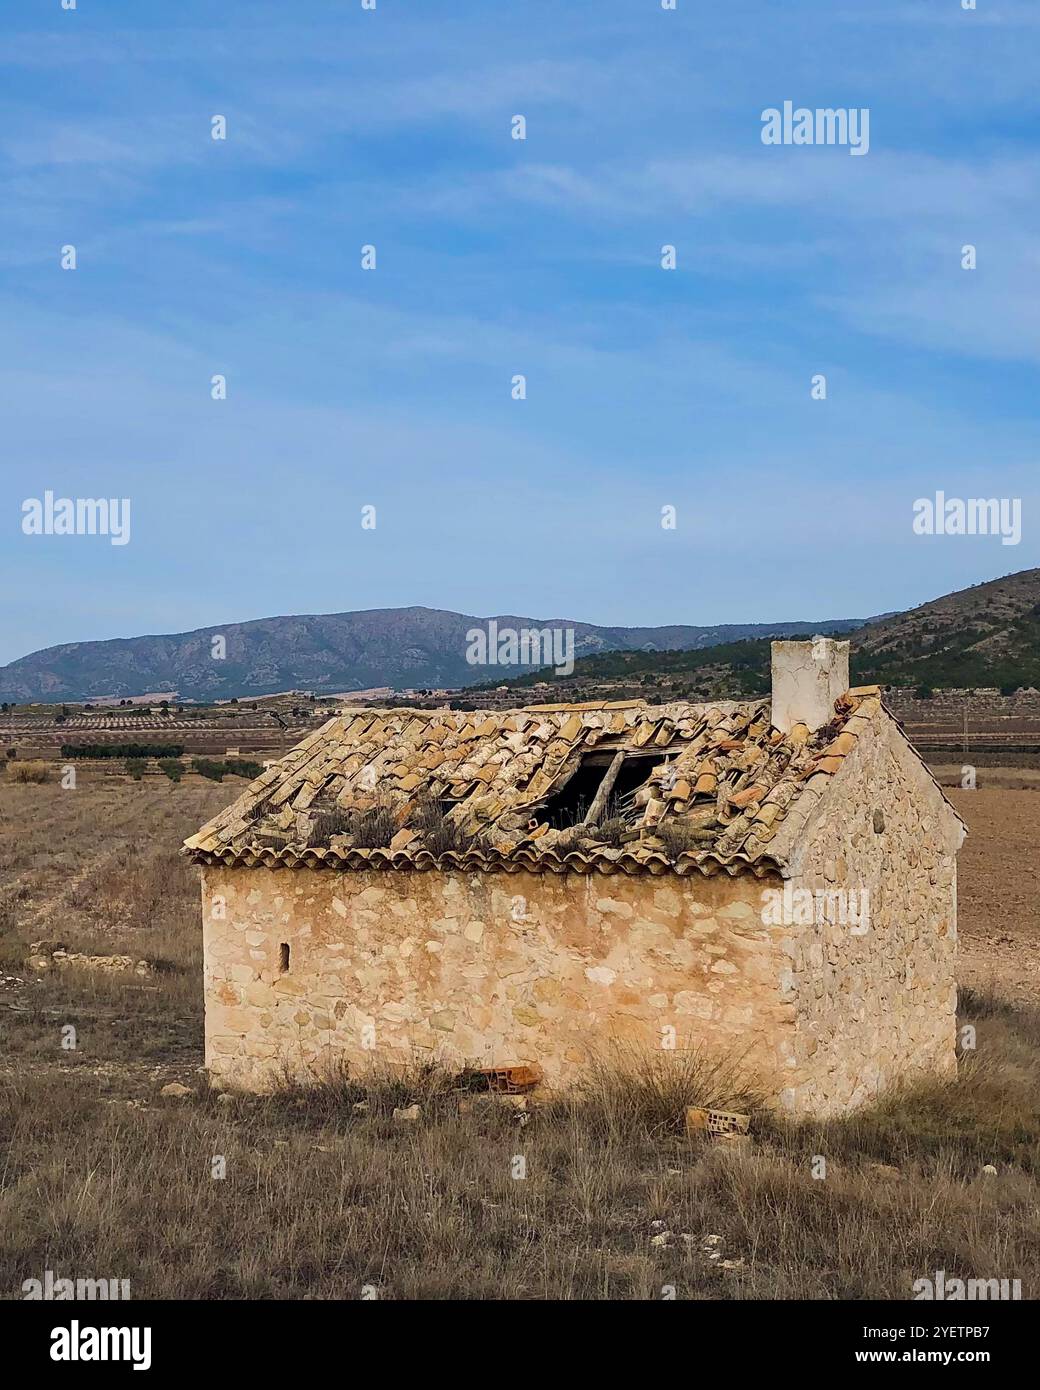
<point x="391" y="388"/>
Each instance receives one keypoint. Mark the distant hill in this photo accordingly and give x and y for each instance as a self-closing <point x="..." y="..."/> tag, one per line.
<point x="988" y="635"/>
<point x="417" y="648"/>
<point x="983" y="636"/>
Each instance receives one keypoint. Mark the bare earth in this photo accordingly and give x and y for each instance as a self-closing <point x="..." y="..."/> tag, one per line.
<point x="998" y="875"/>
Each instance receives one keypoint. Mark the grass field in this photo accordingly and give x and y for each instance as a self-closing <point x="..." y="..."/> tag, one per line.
<point x="102" y="1176"/>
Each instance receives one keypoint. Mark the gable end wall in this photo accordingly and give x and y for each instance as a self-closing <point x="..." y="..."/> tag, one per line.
<point x="877" y="1008"/>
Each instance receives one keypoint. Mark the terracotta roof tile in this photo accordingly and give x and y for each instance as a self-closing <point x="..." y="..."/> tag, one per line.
<point x="719" y="782"/>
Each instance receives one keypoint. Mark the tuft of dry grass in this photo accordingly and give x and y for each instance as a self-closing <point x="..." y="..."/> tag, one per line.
<point x="678" y="836"/>
<point x="372" y="828"/>
<point x="626" y="1089"/>
<point x="612" y="831"/>
<point x="375" y="827"/>
<point x="440" y="833"/>
<point x="30" y="771"/>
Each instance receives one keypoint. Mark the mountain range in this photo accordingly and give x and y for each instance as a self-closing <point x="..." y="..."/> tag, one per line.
<point x="403" y="648"/>
<point x="988" y="634"/>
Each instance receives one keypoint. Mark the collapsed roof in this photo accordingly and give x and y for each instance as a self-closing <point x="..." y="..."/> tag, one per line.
<point x="618" y="787"/>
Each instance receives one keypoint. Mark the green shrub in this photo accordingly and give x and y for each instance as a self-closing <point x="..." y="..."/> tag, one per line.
<point x="242" y="767"/>
<point x="217" y="768"/>
<point x="172" y="768"/>
<point x="209" y="767"/>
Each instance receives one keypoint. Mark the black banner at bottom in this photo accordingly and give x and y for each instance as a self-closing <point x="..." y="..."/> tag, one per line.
<point x="71" y="1339"/>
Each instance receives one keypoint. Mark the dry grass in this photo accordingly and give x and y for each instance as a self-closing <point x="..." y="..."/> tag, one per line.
<point x="373" y="828"/>
<point x="321" y="1200"/>
<point x="102" y="1176"/>
<point x="441" y="833"/>
<point x="678" y="836"/>
<point x="629" y="1090"/>
<point x="29" y="772"/>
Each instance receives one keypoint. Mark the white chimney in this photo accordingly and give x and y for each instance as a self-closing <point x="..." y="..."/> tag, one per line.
<point x="807" y="679"/>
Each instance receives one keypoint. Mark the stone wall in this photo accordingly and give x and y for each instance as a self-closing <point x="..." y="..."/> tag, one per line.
<point x="488" y="970"/>
<point x="877" y="1007"/>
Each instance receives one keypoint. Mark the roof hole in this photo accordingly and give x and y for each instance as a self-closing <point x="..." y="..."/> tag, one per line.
<point x="571" y="803"/>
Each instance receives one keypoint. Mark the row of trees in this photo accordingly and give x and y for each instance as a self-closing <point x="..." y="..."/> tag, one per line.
<point x="122" y="750"/>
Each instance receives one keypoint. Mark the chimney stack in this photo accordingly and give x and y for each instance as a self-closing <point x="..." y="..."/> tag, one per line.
<point x="807" y="679"/>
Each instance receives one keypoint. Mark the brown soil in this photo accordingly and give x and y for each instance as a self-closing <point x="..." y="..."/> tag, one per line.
<point x="998" y="875"/>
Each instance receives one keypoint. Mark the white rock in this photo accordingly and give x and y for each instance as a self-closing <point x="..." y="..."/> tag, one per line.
<point x="600" y="974"/>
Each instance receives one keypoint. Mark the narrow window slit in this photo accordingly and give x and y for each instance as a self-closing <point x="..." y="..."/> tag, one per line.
<point x="283" y="957"/>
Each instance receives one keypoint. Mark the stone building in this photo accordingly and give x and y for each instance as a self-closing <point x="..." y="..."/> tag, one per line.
<point x="498" y="889"/>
